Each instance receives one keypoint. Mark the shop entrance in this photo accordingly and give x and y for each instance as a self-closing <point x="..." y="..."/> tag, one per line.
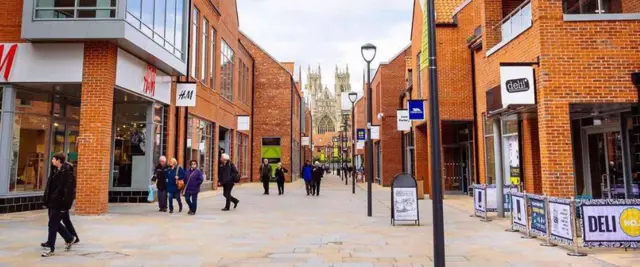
<point x="457" y="171"/>
<point x="603" y="161"/>
<point x="65" y="140"/>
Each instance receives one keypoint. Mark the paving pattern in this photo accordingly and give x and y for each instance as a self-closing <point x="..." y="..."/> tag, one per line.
<point x="289" y="230"/>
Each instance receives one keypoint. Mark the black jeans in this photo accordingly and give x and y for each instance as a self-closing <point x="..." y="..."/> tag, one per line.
<point x="226" y="192"/>
<point x="162" y="199"/>
<point x="265" y="184"/>
<point x="55" y="227"/>
<point x="308" y="185"/>
<point x="315" y="188"/>
<point x="280" y="187"/>
<point x="192" y="201"/>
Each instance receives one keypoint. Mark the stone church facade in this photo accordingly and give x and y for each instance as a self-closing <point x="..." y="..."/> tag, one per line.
<point x="325" y="105"/>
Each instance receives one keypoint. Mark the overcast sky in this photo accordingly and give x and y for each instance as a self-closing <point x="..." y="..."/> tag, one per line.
<point x="328" y="32"/>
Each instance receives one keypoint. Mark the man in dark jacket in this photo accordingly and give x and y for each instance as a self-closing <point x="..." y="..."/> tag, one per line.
<point x="58" y="198"/>
<point x="265" y="175"/>
<point x="318" y="172"/>
<point x="160" y="178"/>
<point x="227" y="177"/>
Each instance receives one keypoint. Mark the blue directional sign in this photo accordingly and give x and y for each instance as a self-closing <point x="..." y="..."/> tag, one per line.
<point x="361" y="134"/>
<point x="416" y="110"/>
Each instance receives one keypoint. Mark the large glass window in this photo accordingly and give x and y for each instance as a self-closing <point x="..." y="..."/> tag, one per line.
<point x="130" y="143"/>
<point x="205" y="45"/>
<point x="226" y="71"/>
<point x="160" y="20"/>
<point x="200" y="145"/>
<point x="243" y="86"/>
<point x="511" y="151"/>
<point x="489" y="150"/>
<point x="600" y="6"/>
<point x="159" y="129"/>
<point x="70" y="9"/>
<point x="242" y="148"/>
<point x="213" y="61"/>
<point x="194" y="42"/>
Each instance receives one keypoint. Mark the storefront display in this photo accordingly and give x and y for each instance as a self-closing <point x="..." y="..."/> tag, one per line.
<point x="200" y="145"/>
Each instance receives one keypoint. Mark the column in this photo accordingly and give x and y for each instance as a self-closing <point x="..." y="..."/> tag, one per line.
<point x="6" y="136"/>
<point x="96" y="123"/>
<point x="497" y="154"/>
<point x="556" y="156"/>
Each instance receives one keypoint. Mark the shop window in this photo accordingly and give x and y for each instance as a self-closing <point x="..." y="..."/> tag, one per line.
<point x="160" y="20"/>
<point x="200" y="145"/>
<point x="226" y="71"/>
<point x="159" y="129"/>
<point x="489" y="150"/>
<point x="242" y="160"/>
<point x="130" y="144"/>
<point x="194" y="43"/>
<point x="205" y="45"/>
<point x="70" y="9"/>
<point x="600" y="6"/>
<point x="29" y="152"/>
<point x="212" y="69"/>
<point x="511" y="151"/>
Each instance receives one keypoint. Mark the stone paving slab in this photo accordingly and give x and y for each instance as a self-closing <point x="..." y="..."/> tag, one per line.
<point x="291" y="230"/>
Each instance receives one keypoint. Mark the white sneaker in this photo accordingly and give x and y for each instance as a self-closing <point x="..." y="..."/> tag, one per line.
<point x="46" y="252"/>
<point x="68" y="246"/>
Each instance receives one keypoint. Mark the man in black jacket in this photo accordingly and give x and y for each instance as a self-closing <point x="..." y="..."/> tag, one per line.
<point x="160" y="178"/>
<point x="265" y="175"/>
<point x="58" y="198"/>
<point x="318" y="172"/>
<point x="227" y="176"/>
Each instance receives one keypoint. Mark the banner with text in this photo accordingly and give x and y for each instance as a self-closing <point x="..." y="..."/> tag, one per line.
<point x="403" y="121"/>
<point x="520" y="213"/>
<point x="611" y="223"/>
<point x="186" y="95"/>
<point x="538" y="215"/>
<point x="416" y="109"/>
<point x="561" y="225"/>
<point x="479" y="199"/>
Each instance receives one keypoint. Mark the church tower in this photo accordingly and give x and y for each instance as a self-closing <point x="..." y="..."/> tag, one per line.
<point x="314" y="85"/>
<point x="342" y="85"/>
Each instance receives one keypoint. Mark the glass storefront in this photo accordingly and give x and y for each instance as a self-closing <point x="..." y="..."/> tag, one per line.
<point x="489" y="150"/>
<point x="200" y="145"/>
<point x="511" y="151"/>
<point x="242" y="160"/>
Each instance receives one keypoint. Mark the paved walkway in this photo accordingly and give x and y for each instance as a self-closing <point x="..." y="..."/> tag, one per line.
<point x="289" y="230"/>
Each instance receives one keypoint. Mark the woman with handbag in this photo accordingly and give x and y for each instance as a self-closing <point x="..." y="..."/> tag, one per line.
<point x="175" y="184"/>
<point x="192" y="187"/>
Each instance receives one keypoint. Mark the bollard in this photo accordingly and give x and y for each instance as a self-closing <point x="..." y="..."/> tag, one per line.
<point x="526" y="205"/>
<point x="574" y="224"/>
<point x="547" y="243"/>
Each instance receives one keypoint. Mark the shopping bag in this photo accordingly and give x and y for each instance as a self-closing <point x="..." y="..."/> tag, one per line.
<point x="151" y="197"/>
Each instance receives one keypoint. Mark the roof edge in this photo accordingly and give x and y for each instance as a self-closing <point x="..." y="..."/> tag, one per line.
<point x="460" y="7"/>
<point x="266" y="53"/>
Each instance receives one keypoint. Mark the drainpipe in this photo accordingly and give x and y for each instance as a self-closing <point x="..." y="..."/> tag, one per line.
<point x="475" y="118"/>
<point x="293" y="88"/>
<point x="253" y="86"/>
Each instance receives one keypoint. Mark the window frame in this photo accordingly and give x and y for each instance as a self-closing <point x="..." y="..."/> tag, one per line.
<point x="212" y="70"/>
<point x="195" y="47"/>
<point x="205" y="45"/>
<point x="227" y="56"/>
<point x="76" y="8"/>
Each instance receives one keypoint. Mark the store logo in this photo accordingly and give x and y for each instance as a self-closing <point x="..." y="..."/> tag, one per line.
<point x="518" y="85"/>
<point x="6" y="61"/>
<point x="150" y="81"/>
<point x="630" y="222"/>
<point x="416" y="111"/>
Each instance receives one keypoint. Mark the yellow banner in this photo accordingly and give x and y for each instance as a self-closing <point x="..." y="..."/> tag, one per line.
<point x="335" y="152"/>
<point x="424" y="54"/>
<point x="322" y="157"/>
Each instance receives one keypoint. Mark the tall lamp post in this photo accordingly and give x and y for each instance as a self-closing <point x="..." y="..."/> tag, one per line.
<point x="344" y="141"/>
<point x="353" y="96"/>
<point x="368" y="52"/>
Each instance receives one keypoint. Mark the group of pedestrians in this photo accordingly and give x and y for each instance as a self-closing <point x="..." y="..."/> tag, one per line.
<point x="312" y="175"/>
<point x="265" y="176"/>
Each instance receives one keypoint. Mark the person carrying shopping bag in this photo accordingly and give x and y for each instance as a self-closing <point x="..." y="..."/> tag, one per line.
<point x="175" y="184"/>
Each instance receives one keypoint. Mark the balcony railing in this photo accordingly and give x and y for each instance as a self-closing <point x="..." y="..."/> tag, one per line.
<point x="517" y="22"/>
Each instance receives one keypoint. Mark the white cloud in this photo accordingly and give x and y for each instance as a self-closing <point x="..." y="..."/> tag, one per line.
<point x="328" y="32"/>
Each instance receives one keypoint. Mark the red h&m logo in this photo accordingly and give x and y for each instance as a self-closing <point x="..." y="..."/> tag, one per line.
<point x="6" y="62"/>
<point x="150" y="81"/>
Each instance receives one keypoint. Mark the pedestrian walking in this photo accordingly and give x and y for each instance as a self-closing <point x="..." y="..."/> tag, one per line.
<point x="175" y="184"/>
<point x="307" y="174"/>
<point x="265" y="175"/>
<point x="280" y="173"/>
<point x="59" y="194"/>
<point x="160" y="179"/>
<point x="228" y="175"/>
<point x="318" y="172"/>
<point x="192" y="187"/>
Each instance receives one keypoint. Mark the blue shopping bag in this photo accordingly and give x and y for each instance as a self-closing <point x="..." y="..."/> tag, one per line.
<point x="151" y="197"/>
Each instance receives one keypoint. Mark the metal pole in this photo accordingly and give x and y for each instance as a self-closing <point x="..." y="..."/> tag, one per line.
<point x="548" y="223"/>
<point x="353" y="149"/>
<point x="369" y="149"/>
<point x="511" y="207"/>
<point x="526" y="207"/>
<point x="344" y="153"/>
<point x="574" y="225"/>
<point x="436" y="183"/>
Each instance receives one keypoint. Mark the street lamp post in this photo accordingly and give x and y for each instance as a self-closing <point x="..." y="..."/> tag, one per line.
<point x="345" y="127"/>
<point x="353" y="96"/>
<point x="368" y="52"/>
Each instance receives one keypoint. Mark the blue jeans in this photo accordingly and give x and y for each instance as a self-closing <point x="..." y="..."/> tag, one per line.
<point x="177" y="196"/>
<point x="192" y="201"/>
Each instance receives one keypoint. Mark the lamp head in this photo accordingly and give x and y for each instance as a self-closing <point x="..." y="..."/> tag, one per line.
<point x="368" y="52"/>
<point x="353" y="96"/>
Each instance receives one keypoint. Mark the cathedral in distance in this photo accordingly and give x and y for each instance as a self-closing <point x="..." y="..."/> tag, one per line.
<point x="325" y="105"/>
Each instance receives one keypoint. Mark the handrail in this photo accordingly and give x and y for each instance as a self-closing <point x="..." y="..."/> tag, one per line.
<point x="512" y="14"/>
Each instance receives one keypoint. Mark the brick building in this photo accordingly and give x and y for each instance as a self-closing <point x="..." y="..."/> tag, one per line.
<point x="278" y="120"/>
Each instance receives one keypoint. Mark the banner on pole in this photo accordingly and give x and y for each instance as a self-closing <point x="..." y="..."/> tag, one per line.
<point x="611" y="223"/>
<point x="244" y="123"/>
<point x="538" y="215"/>
<point x="360" y="145"/>
<point x="403" y="121"/>
<point x="424" y="53"/>
<point x="416" y="110"/>
<point x="520" y="214"/>
<point x="305" y="141"/>
<point x="561" y="225"/>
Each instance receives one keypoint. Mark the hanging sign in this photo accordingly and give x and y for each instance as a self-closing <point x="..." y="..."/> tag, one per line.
<point x="416" y="109"/>
<point x="361" y="134"/>
<point x="404" y="199"/>
<point x="375" y="132"/>
<point x="186" y="95"/>
<point x="402" y="116"/>
<point x="305" y="141"/>
<point x="360" y="145"/>
<point x="560" y="221"/>
<point x="517" y="85"/>
<point x="611" y="223"/>
<point x="243" y="123"/>
<point x="538" y="215"/>
<point x="520" y="214"/>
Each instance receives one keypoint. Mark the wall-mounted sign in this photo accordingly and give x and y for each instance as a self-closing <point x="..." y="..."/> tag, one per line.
<point x="138" y="76"/>
<point x="375" y="132"/>
<point x="244" y="123"/>
<point x="360" y="145"/>
<point x="517" y="85"/>
<point x="305" y="141"/>
<point x="361" y="134"/>
<point x="404" y="124"/>
<point x="186" y="95"/>
<point x="45" y="62"/>
<point x="416" y="109"/>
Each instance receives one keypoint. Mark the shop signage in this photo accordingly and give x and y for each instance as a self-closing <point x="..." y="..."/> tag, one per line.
<point x="186" y="95"/>
<point x="305" y="141"/>
<point x="375" y="132"/>
<point x="243" y="123"/>
<point x="520" y="214"/>
<point x="611" y="223"/>
<point x="538" y="215"/>
<point x="479" y="199"/>
<point x="402" y="116"/>
<point x="404" y="199"/>
<point x="416" y="110"/>
<point x="46" y="62"/>
<point x="560" y="223"/>
<point x="360" y="145"/>
<point x="361" y="134"/>
<point x="517" y="85"/>
<point x="138" y="76"/>
<point x="492" y="197"/>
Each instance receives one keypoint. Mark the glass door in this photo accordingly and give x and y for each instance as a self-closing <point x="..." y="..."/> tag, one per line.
<point x="65" y="140"/>
<point x="605" y="165"/>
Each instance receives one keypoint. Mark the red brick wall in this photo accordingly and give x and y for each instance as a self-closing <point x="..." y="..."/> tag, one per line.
<point x="11" y="23"/>
<point x="272" y="105"/>
<point x="98" y="81"/>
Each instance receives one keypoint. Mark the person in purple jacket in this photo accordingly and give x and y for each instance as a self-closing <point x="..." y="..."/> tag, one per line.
<point x="193" y="180"/>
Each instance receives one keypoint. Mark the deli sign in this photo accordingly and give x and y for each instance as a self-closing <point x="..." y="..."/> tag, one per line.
<point x="517" y="85"/>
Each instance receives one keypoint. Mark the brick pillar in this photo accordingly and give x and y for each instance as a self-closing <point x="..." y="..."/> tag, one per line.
<point x="98" y="82"/>
<point x="531" y="156"/>
<point x="555" y="152"/>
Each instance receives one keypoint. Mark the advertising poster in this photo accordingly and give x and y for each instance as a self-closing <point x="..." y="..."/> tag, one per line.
<point x="403" y="122"/>
<point x="478" y="200"/>
<point x="561" y="229"/>
<point x="416" y="110"/>
<point x="514" y="159"/>
<point x="405" y="201"/>
<point x="538" y="215"/>
<point x="611" y="223"/>
<point x="519" y="211"/>
<point x="492" y="197"/>
<point x="361" y="135"/>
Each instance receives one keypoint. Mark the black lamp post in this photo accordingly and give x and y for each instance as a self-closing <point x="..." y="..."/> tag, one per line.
<point x="343" y="141"/>
<point x="368" y="52"/>
<point x="353" y="96"/>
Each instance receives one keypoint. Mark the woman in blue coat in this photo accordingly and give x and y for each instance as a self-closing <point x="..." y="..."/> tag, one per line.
<point x="174" y="174"/>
